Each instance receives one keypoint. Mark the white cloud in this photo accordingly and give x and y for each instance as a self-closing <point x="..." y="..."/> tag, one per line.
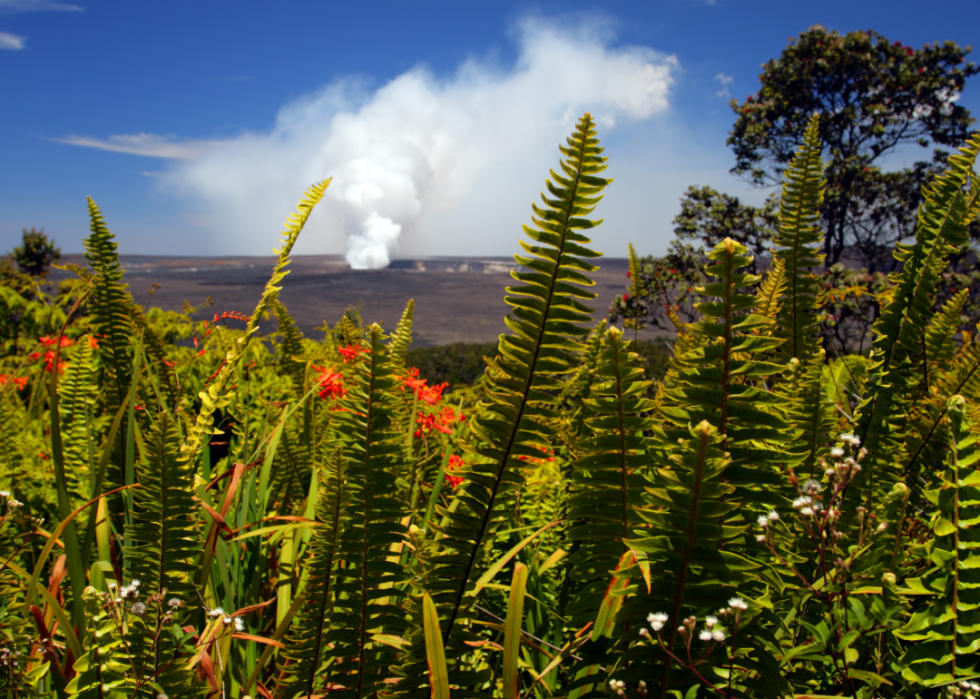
<point x="12" y="42"/>
<point x="145" y="144"/>
<point x="419" y="147"/>
<point x="725" y="81"/>
<point x="11" y="6"/>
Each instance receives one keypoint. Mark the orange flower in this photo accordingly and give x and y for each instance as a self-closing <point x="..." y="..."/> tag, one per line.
<point x="350" y="352"/>
<point x="454" y="463"/>
<point x="48" y="341"/>
<point x="331" y="383"/>
<point x="20" y="381"/>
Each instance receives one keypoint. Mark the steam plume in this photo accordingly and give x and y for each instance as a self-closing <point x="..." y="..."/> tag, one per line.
<point x="418" y="143"/>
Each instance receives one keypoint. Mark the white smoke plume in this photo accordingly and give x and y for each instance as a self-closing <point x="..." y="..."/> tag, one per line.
<point x="417" y="144"/>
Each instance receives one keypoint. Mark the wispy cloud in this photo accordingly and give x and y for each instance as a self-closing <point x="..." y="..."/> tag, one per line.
<point x="725" y="81"/>
<point x="12" y="42"/>
<point x="146" y="144"/>
<point x="12" y="6"/>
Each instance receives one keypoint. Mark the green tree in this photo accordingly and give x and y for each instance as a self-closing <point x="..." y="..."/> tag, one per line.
<point x="36" y="253"/>
<point x="874" y="97"/>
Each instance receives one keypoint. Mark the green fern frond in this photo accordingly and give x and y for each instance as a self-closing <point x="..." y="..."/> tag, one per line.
<point x="809" y="411"/>
<point x="720" y="379"/>
<point x="608" y="479"/>
<point x="635" y="289"/>
<point x="944" y="216"/>
<point x="78" y="389"/>
<point x="940" y="345"/>
<point x="109" y="303"/>
<point x="305" y="653"/>
<point x="691" y="542"/>
<point x="520" y="388"/>
<point x="401" y="339"/>
<point x="290" y="350"/>
<point x="767" y="298"/>
<point x="368" y="584"/>
<point x="798" y="243"/>
<point x="103" y="671"/>
<point x="165" y="548"/>
<point x="944" y="639"/>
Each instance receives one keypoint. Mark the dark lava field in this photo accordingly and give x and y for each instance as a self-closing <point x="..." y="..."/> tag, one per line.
<point x="457" y="299"/>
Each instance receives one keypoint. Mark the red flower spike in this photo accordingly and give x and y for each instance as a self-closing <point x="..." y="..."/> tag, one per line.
<point x="331" y="383"/>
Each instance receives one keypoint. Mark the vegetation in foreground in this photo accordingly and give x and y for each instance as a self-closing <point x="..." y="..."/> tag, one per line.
<point x="197" y="510"/>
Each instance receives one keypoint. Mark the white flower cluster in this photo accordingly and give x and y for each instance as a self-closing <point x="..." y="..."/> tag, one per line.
<point x="226" y="619"/>
<point x="619" y="687"/>
<point x="130" y="591"/>
<point x="12" y="503"/>
<point x="848" y="465"/>
<point x="764" y="522"/>
<point x="712" y="631"/>
<point x="965" y="690"/>
<point x="8" y="658"/>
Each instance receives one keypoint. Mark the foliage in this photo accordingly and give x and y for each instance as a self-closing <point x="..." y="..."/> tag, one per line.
<point x="197" y="509"/>
<point x="36" y="253"/>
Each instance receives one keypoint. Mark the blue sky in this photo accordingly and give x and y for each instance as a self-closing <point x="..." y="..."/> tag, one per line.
<point x="196" y="126"/>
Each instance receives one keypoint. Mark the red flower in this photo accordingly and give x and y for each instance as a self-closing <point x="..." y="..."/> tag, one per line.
<point x="20" y="381"/>
<point x="51" y="342"/>
<point x="910" y="51"/>
<point x="454" y="463"/>
<point x="93" y="342"/>
<point x="427" y="423"/>
<point x="626" y="296"/>
<point x="331" y="383"/>
<point x="350" y="352"/>
<point x="627" y="274"/>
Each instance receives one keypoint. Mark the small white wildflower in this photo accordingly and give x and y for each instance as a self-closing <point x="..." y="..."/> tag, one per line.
<point x="644" y="633"/>
<point x="682" y="630"/>
<point x="710" y="621"/>
<point x="240" y="624"/>
<point x="830" y="472"/>
<point x="807" y="511"/>
<point x="802" y="501"/>
<point x="718" y="635"/>
<point x="216" y="612"/>
<point x="173" y="602"/>
<point x="227" y="621"/>
<point x="643" y="685"/>
<point x="761" y="538"/>
<point x="881" y="527"/>
<point x="705" y="635"/>
<point x="161" y="695"/>
<point x="763" y="521"/>
<point x="738" y="603"/>
<point x="773" y="516"/>
<point x="4" y="493"/>
<point x="812" y="486"/>
<point x="837" y="452"/>
<point x="13" y="504"/>
<point x="134" y="583"/>
<point x="138" y="608"/>
<point x="657" y="620"/>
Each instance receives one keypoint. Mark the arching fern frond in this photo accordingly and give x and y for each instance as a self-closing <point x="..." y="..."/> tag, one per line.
<point x="401" y="339"/>
<point x="798" y="242"/>
<point x="290" y="349"/>
<point x="945" y="637"/>
<point x="520" y="389"/>
<point x="213" y="396"/>
<point x="768" y="297"/>
<point x="944" y="216"/>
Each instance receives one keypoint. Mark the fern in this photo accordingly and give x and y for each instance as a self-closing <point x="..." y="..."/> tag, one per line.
<point x="809" y="411"/>
<point x="944" y="216"/>
<point x="290" y="349"/>
<point x="607" y="483"/>
<point x="636" y="291"/>
<point x="690" y="537"/>
<point x="213" y="396"/>
<point x="946" y="636"/>
<point x="798" y="243"/>
<point x="401" y="338"/>
<point x="717" y="379"/>
<point x="77" y="391"/>
<point x="164" y="552"/>
<point x="103" y="671"/>
<point x="366" y="583"/>
<point x="109" y="303"/>
<point x="767" y="298"/>
<point x="307" y="646"/>
<point x="519" y="388"/>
